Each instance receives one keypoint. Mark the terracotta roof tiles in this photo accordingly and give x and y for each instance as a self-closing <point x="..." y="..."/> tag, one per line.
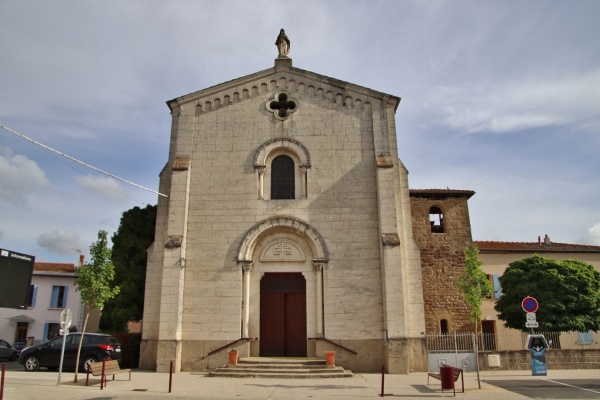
<point x="53" y="267"/>
<point x="534" y="247"/>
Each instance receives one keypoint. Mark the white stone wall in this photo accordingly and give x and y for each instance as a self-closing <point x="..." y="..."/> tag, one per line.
<point x="349" y="202"/>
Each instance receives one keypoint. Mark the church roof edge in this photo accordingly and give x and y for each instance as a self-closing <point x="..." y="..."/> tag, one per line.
<point x="342" y="85"/>
<point x="437" y="193"/>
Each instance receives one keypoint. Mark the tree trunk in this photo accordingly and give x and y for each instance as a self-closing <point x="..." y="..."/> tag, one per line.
<point x="80" y="343"/>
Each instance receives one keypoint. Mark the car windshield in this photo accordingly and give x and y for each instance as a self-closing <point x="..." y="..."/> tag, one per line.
<point x="57" y="341"/>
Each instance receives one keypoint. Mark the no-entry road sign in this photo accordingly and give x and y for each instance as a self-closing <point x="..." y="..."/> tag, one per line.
<point x="529" y="304"/>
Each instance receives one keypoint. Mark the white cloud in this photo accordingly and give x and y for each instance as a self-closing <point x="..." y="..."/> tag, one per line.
<point x="527" y="104"/>
<point x="594" y="234"/>
<point x="20" y="178"/>
<point x="60" y="242"/>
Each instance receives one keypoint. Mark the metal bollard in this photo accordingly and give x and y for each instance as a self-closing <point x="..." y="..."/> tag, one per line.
<point x="2" y="381"/>
<point x="102" y="377"/>
<point x="170" y="375"/>
<point x="382" y="380"/>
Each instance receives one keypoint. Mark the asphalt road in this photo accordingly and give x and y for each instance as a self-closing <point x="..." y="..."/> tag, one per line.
<point x="552" y="388"/>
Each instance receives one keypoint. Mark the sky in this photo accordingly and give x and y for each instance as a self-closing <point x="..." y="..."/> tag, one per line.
<point x="499" y="97"/>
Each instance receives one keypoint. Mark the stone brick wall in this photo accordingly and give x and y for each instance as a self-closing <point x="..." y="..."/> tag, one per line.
<point x="442" y="257"/>
<point x="555" y="359"/>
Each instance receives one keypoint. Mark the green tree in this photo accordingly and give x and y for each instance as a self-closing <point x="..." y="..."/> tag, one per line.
<point x="474" y="284"/>
<point x="568" y="293"/>
<point x="93" y="281"/>
<point x="129" y="255"/>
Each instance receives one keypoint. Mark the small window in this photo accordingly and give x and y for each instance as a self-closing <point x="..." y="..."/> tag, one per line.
<point x="59" y="297"/>
<point x="282" y="178"/>
<point x="496" y="286"/>
<point x="436" y="220"/>
<point x="51" y="330"/>
<point x="444" y="326"/>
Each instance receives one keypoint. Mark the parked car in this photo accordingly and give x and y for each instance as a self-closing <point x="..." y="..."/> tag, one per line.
<point x="18" y="346"/>
<point x="6" y="351"/>
<point x="96" y="347"/>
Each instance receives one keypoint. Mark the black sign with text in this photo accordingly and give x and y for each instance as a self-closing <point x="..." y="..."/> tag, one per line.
<point x="15" y="279"/>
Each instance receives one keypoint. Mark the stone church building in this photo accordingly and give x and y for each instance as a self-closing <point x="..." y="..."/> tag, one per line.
<point x="290" y="229"/>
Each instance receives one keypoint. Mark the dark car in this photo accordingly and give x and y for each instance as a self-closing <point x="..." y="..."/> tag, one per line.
<point x="18" y="346"/>
<point x="96" y="347"/>
<point x="6" y="351"/>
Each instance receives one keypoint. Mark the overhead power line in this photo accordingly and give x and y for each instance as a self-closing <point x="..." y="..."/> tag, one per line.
<point x="77" y="161"/>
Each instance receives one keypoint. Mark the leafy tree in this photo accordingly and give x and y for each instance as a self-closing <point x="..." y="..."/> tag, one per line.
<point x="93" y="281"/>
<point x="568" y="293"/>
<point x="474" y="284"/>
<point x="129" y="255"/>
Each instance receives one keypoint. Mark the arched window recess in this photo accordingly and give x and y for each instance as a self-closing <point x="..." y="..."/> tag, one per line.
<point x="281" y="167"/>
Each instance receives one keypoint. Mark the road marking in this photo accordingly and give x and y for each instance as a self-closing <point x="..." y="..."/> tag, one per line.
<point x="576" y="387"/>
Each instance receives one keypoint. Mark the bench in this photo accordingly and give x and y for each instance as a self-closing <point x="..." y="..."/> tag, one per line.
<point x="111" y="367"/>
<point x="457" y="372"/>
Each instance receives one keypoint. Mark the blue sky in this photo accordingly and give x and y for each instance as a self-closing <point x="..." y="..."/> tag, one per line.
<point x="499" y="97"/>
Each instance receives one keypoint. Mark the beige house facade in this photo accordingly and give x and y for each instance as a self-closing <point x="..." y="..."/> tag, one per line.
<point x="287" y="230"/>
<point x="496" y="256"/>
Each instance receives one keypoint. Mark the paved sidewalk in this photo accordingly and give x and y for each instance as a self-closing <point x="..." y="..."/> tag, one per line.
<point x="42" y="385"/>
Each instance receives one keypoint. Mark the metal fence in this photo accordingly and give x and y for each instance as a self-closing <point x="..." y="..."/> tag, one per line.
<point x="463" y="342"/>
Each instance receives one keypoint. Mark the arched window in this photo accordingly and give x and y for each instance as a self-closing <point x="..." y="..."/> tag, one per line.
<point x="282" y="178"/>
<point x="436" y="220"/>
<point x="444" y="326"/>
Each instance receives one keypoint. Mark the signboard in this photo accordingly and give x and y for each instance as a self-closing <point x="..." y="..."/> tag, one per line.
<point x="531" y="321"/>
<point x="66" y="317"/>
<point x="529" y="304"/>
<point x="15" y="270"/>
<point x="538" y="366"/>
<point x="538" y="345"/>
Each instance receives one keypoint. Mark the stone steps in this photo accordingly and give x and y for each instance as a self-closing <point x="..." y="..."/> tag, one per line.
<point x="262" y="367"/>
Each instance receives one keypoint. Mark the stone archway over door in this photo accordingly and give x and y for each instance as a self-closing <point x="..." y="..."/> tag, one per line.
<point x="283" y="315"/>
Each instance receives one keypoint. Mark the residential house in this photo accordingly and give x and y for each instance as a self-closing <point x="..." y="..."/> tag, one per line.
<point x="52" y="290"/>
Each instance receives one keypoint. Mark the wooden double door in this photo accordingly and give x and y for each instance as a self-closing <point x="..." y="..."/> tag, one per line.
<point x="283" y="315"/>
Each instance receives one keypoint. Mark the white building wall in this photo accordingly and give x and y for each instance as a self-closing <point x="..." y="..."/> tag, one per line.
<point x="43" y="313"/>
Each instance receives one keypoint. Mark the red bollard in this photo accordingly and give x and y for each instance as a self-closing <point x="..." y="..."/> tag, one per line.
<point x="102" y="377"/>
<point x="170" y="376"/>
<point x="382" y="380"/>
<point x="2" y="381"/>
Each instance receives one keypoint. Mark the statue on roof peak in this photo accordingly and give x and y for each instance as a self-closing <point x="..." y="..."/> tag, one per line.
<point x="283" y="44"/>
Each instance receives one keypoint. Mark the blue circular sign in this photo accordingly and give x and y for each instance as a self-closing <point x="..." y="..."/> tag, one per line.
<point x="529" y="304"/>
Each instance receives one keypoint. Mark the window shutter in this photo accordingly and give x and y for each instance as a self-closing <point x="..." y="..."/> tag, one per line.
<point x="65" y="297"/>
<point x="35" y="289"/>
<point x="45" y="337"/>
<point x="586" y="337"/>
<point x="497" y="288"/>
<point x="54" y="300"/>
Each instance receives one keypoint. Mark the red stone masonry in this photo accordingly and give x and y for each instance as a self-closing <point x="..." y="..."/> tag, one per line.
<point x="442" y="255"/>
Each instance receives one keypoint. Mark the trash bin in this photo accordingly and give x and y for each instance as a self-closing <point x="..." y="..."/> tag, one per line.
<point x="447" y="377"/>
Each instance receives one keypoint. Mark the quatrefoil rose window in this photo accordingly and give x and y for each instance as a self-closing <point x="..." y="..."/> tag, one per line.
<point x="282" y="105"/>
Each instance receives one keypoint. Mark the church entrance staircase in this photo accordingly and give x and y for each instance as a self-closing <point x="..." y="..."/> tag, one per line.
<point x="264" y="367"/>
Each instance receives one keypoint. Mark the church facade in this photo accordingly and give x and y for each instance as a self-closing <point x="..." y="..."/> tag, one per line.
<point x="289" y="230"/>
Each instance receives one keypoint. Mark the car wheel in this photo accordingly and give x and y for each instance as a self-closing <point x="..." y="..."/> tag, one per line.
<point x="31" y="364"/>
<point x="13" y="357"/>
<point x="86" y="363"/>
